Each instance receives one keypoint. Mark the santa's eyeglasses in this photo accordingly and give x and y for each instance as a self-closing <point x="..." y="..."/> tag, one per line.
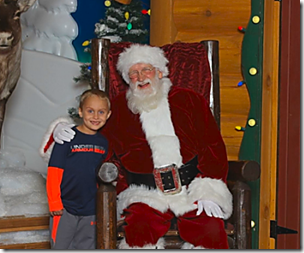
<point x="144" y="72"/>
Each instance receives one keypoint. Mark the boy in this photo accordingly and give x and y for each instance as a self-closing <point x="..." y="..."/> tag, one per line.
<point x="71" y="179"/>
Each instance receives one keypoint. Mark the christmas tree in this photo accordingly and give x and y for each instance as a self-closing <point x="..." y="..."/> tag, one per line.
<point x="123" y="22"/>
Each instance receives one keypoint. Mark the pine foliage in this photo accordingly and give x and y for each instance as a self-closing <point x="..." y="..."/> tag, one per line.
<point x="85" y="74"/>
<point x="123" y="23"/>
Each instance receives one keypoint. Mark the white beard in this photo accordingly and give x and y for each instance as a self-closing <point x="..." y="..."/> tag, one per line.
<point x="148" y="99"/>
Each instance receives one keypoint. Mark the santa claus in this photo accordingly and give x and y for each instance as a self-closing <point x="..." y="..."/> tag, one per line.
<point x="170" y="156"/>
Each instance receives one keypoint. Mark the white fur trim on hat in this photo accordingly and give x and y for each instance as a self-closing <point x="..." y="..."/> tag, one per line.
<point x="138" y="53"/>
<point x="47" y="154"/>
<point x="212" y="189"/>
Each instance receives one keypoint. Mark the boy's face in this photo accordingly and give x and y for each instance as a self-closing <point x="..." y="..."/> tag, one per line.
<point x="94" y="112"/>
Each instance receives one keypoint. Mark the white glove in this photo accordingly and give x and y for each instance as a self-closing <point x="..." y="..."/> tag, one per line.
<point x="63" y="132"/>
<point x="108" y="172"/>
<point x="211" y="208"/>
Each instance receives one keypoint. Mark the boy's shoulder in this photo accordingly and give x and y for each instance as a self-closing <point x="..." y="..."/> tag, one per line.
<point x="101" y="136"/>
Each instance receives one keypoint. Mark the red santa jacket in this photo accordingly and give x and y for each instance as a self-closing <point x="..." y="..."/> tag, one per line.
<point x="198" y="134"/>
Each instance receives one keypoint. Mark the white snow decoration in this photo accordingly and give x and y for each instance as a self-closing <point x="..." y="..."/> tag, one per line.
<point x="3" y="164"/>
<point x="49" y="27"/>
<point x="13" y="182"/>
<point x="2" y="205"/>
<point x="24" y="237"/>
<point x="45" y="91"/>
<point x="12" y="158"/>
<point x="22" y="192"/>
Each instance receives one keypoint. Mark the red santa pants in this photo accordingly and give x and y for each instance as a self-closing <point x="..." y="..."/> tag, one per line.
<point x="145" y="225"/>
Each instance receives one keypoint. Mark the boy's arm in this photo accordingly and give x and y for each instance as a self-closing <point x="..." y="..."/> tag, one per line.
<point x="54" y="176"/>
<point x="53" y="181"/>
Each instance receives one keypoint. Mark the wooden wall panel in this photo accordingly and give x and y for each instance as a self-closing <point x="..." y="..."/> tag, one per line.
<point x="211" y="16"/>
<point x="269" y="133"/>
<point x="164" y="31"/>
<point x="290" y="167"/>
<point x="196" y="20"/>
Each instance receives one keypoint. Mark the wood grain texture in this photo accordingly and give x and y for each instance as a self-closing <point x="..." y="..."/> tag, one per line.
<point x="106" y="217"/>
<point x="196" y="20"/>
<point x="22" y="223"/>
<point x="34" y="245"/>
<point x="269" y="132"/>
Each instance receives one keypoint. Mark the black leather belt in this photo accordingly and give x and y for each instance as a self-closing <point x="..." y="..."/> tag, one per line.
<point x="187" y="172"/>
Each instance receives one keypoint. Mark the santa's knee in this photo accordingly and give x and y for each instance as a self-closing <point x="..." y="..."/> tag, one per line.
<point x="144" y="225"/>
<point x="209" y="233"/>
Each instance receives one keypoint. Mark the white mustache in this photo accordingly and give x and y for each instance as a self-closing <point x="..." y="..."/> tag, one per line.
<point x="142" y="82"/>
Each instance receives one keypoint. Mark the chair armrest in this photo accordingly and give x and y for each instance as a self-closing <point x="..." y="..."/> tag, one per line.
<point x="240" y="172"/>
<point x="106" y="221"/>
<point x="243" y="171"/>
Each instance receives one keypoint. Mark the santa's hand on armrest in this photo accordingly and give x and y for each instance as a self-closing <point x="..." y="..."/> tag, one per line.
<point x="211" y="208"/>
<point x="63" y="132"/>
<point x="108" y="172"/>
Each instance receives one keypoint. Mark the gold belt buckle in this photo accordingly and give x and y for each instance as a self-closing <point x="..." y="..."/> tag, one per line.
<point x="167" y="179"/>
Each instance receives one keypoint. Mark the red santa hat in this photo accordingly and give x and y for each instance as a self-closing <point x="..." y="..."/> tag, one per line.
<point x="137" y="53"/>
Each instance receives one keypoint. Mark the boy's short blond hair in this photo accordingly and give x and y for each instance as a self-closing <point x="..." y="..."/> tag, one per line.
<point x="100" y="93"/>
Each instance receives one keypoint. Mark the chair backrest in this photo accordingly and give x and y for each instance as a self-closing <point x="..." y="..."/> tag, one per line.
<point x="191" y="65"/>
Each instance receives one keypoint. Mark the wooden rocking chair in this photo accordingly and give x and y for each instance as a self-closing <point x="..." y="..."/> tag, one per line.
<point x="238" y="227"/>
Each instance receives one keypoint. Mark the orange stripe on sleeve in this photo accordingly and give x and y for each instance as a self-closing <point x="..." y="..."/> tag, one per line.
<point x="56" y="220"/>
<point x="53" y="181"/>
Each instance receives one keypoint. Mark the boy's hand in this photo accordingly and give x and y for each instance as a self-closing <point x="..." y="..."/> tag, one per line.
<point x="56" y="213"/>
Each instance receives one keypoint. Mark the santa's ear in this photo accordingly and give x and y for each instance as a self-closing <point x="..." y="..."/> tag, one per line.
<point x="160" y="74"/>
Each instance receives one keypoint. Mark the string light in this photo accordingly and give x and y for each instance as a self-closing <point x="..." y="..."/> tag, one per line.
<point x="240" y="128"/>
<point x="251" y="122"/>
<point x="241" y="29"/>
<point x="129" y="26"/>
<point x="86" y="43"/>
<point x="127" y="15"/>
<point x="107" y="3"/>
<point x="253" y="71"/>
<point x="256" y="19"/>
<point x="146" y="12"/>
<point x="241" y="83"/>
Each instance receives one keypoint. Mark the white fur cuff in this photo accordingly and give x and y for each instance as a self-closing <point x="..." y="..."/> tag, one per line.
<point x="188" y="245"/>
<point x="178" y="203"/>
<point x="159" y="245"/>
<point x="212" y="189"/>
<point x="45" y="154"/>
